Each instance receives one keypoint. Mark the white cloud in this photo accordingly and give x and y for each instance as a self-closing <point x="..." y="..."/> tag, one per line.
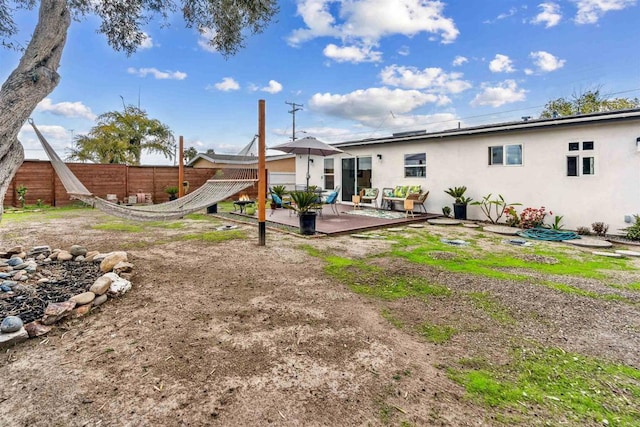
<point x="506" y="92"/>
<point x="404" y="51"/>
<point x="369" y="106"/>
<point x="430" y="79"/>
<point x="273" y="87"/>
<point x="203" y="41"/>
<point x="147" y="41"/>
<point x="546" y="62"/>
<point x="159" y="75"/>
<point x="501" y="64"/>
<point x="226" y="85"/>
<point x="459" y="60"/>
<point x="504" y="15"/>
<point x="66" y="109"/>
<point x="367" y="21"/>
<point x="550" y="15"/>
<point x="590" y="11"/>
<point x="353" y="54"/>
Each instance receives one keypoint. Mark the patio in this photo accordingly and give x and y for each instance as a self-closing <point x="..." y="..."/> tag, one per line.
<point x="350" y="220"/>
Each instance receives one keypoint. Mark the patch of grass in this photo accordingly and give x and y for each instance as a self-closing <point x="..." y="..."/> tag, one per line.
<point x="436" y="334"/>
<point x="569" y="386"/>
<point x="573" y="290"/>
<point x="170" y="225"/>
<point x="386" y="314"/>
<point x="119" y="226"/>
<point x="632" y="286"/>
<point x="484" y="302"/>
<point x="215" y="236"/>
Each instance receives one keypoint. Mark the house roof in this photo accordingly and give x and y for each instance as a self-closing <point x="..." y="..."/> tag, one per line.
<point x="531" y="124"/>
<point x="235" y="159"/>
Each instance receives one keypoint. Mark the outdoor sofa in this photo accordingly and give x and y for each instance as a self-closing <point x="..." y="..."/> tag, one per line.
<point x="400" y="193"/>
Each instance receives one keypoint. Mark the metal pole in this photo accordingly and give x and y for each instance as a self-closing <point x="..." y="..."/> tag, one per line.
<point x="181" y="168"/>
<point x="262" y="184"/>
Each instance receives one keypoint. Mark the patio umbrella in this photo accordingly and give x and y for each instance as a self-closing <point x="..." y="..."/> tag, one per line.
<point x="308" y="145"/>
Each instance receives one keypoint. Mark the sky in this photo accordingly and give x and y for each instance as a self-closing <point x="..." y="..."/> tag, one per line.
<point x="355" y="69"/>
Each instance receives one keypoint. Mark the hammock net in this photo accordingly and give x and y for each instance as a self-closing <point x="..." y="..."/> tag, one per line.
<point x="211" y="192"/>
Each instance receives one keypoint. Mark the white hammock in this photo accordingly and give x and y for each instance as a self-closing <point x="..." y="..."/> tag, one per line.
<point x="211" y="192"/>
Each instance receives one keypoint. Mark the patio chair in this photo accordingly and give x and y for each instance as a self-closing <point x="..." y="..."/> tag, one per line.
<point x="369" y="195"/>
<point x="331" y="200"/>
<point x="419" y="199"/>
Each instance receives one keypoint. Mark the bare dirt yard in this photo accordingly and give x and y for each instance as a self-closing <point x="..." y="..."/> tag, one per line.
<point x="402" y="330"/>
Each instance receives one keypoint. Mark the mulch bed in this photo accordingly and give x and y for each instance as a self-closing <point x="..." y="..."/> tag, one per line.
<point x="66" y="279"/>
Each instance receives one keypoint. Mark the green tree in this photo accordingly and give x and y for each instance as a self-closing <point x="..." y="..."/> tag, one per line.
<point x="121" y="21"/>
<point x="121" y="137"/>
<point x="589" y="102"/>
<point x="190" y="153"/>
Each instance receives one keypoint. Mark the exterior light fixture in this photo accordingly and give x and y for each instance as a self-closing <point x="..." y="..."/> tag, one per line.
<point x="380" y="155"/>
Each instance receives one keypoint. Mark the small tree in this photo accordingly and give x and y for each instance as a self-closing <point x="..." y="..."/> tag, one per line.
<point x="22" y="193"/>
<point x="190" y="153"/>
<point x="589" y="102"/>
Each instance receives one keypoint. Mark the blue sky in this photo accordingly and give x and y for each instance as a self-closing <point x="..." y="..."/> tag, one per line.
<point x="360" y="68"/>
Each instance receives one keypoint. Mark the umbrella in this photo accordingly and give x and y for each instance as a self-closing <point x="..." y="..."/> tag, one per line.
<point x="308" y="145"/>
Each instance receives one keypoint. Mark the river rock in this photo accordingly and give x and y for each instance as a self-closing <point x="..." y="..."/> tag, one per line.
<point x="118" y="285"/>
<point x="82" y="310"/>
<point x="11" y="324"/>
<point x="15" y="261"/>
<point x="18" y="275"/>
<point x="100" y="300"/>
<point x="9" y="283"/>
<point x="56" y="311"/>
<point x="5" y="288"/>
<point x="14" y="250"/>
<point x="111" y="260"/>
<point x="83" y="298"/>
<point x="101" y="285"/>
<point x="13" y="338"/>
<point x="36" y="329"/>
<point x="64" y="256"/>
<point x="77" y="250"/>
<point x="4" y="275"/>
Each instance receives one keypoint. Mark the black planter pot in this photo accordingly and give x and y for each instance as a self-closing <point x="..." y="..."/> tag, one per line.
<point x="308" y="223"/>
<point x="172" y="197"/>
<point x="459" y="211"/>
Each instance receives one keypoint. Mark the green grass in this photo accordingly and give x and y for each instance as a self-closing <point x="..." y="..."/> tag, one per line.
<point x="484" y="302"/>
<point x="568" y="289"/>
<point x="436" y="334"/>
<point x="571" y="386"/>
<point x="386" y="314"/>
<point x="215" y="236"/>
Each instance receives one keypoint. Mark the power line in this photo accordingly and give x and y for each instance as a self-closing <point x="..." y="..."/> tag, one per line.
<point x="294" y="107"/>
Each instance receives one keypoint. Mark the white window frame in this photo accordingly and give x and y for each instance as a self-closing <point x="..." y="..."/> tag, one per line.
<point x="504" y="155"/>
<point x="581" y="154"/>
<point x="325" y="174"/>
<point x="422" y="166"/>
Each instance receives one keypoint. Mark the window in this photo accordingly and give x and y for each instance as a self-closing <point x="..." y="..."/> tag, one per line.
<point x="329" y="174"/>
<point x="581" y="165"/>
<point x="572" y="166"/>
<point x="415" y="165"/>
<point x="505" y="155"/>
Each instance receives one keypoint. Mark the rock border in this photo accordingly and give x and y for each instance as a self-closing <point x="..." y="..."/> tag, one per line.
<point x="18" y="265"/>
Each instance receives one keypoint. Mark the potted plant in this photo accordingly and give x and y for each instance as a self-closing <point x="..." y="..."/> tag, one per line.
<point x="172" y="191"/>
<point x="304" y="203"/>
<point x="460" y="201"/>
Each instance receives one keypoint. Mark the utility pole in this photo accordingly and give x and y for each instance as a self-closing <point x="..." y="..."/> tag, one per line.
<point x="294" y="107"/>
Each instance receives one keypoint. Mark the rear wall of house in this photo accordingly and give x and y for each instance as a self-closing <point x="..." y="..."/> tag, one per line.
<point x="610" y="194"/>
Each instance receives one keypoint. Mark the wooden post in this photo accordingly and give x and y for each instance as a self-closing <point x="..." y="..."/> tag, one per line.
<point x="181" y="168"/>
<point x="262" y="185"/>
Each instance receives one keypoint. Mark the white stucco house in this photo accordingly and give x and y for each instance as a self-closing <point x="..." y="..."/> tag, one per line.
<point x="585" y="168"/>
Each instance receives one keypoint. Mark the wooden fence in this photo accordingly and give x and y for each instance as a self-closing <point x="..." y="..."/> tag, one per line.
<point x="43" y="185"/>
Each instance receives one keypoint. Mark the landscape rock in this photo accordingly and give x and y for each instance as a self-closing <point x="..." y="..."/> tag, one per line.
<point x="14" y="250"/>
<point x="123" y="267"/>
<point x="82" y="310"/>
<point x="77" y="250"/>
<point x="40" y="250"/>
<point x="15" y="261"/>
<point x="36" y="329"/>
<point x="111" y="260"/>
<point x="8" y="340"/>
<point x="11" y="324"/>
<point x="118" y="285"/>
<point x="64" y="256"/>
<point x="56" y="311"/>
<point x="101" y="285"/>
<point x="83" y="298"/>
<point x="100" y="300"/>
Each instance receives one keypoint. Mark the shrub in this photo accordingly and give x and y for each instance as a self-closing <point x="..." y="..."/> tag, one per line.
<point x="633" y="231"/>
<point x="583" y="231"/>
<point x="600" y="228"/>
<point x="446" y="211"/>
<point x="22" y="192"/>
<point x="532" y="217"/>
<point x="512" y="220"/>
<point x="488" y="206"/>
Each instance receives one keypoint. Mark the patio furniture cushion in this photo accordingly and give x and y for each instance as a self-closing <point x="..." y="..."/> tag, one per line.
<point x="277" y="200"/>
<point x="414" y="189"/>
<point x="387" y="192"/>
<point x="400" y="191"/>
<point x="331" y="197"/>
<point x="370" y="192"/>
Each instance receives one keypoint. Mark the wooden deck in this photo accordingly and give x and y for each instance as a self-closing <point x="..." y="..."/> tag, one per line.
<point x="331" y="224"/>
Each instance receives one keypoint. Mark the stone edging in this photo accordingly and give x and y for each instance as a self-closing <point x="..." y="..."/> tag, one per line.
<point x="18" y="266"/>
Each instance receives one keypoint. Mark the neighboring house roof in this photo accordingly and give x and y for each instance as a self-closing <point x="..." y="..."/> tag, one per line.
<point x="235" y="159"/>
<point x="531" y="124"/>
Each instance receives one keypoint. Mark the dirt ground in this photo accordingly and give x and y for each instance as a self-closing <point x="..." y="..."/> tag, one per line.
<point x="235" y="334"/>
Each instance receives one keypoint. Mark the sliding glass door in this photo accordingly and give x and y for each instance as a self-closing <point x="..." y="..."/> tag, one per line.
<point x="356" y="175"/>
